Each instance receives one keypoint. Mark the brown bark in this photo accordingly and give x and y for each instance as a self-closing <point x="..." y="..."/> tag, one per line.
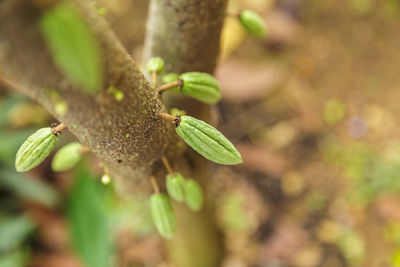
<point x="98" y="121"/>
<point x="186" y="35"/>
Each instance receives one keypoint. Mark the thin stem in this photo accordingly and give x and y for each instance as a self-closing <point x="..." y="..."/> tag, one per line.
<point x="232" y="14"/>
<point x="9" y="82"/>
<point x="84" y="149"/>
<point x="167" y="166"/>
<point x="58" y="129"/>
<point x="154" y="75"/>
<point x="176" y="120"/>
<point x="167" y="117"/>
<point x="154" y="184"/>
<point x="178" y="83"/>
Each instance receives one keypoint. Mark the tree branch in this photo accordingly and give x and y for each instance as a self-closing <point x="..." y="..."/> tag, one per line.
<point x="98" y="121"/>
<point x="186" y="35"/>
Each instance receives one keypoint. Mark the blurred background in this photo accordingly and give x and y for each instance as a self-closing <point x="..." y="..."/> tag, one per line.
<point x="313" y="111"/>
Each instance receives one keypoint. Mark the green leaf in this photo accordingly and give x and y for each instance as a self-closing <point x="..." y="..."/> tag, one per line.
<point x="208" y="141"/>
<point x="88" y="222"/>
<point x="73" y="46"/>
<point x="13" y="231"/>
<point x="16" y="258"/>
<point x="10" y="142"/>
<point x="29" y="189"/>
<point x="7" y="105"/>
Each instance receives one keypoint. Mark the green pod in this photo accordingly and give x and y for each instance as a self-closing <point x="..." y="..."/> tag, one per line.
<point x="253" y="23"/>
<point x="208" y="141"/>
<point x="35" y="149"/>
<point x="169" y="78"/>
<point x="67" y="157"/>
<point x="163" y="215"/>
<point x="175" y="187"/>
<point x="155" y="64"/>
<point x="193" y="195"/>
<point x="201" y="86"/>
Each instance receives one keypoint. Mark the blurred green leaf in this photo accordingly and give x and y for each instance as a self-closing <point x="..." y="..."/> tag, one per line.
<point x="10" y="142"/>
<point x="7" y="105"/>
<point x="73" y="46"/>
<point x="13" y="231"/>
<point x="29" y="189"/>
<point x="88" y="222"/>
<point x="13" y="259"/>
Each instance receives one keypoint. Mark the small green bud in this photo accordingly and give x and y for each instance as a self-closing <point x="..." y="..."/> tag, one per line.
<point x="253" y="23"/>
<point x="67" y="157"/>
<point x="35" y="149"/>
<point x="207" y="141"/>
<point x="155" y="64"/>
<point x="175" y="187"/>
<point x="201" y="86"/>
<point x="193" y="195"/>
<point x="163" y="215"/>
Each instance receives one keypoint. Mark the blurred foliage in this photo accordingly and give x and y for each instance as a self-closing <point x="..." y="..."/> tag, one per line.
<point x="88" y="222"/>
<point x="28" y="189"/>
<point x="73" y="46"/>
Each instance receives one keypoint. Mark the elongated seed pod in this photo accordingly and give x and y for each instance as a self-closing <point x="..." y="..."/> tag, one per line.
<point x="155" y="64"/>
<point x="201" y="86"/>
<point x="35" y="149"/>
<point x="67" y="157"/>
<point x="175" y="187"/>
<point x="193" y="195"/>
<point x="208" y="141"/>
<point x="253" y="23"/>
<point x="163" y="215"/>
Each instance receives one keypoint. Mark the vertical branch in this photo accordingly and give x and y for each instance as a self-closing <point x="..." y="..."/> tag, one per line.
<point x="186" y="34"/>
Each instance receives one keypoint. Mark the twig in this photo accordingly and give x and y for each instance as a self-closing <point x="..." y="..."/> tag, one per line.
<point x="167" y="166"/>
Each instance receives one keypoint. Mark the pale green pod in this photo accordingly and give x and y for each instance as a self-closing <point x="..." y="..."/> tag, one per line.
<point x="193" y="195"/>
<point x="163" y="215"/>
<point x="35" y="149"/>
<point x="155" y="64"/>
<point x="175" y="187"/>
<point x="67" y="157"/>
<point x="201" y="86"/>
<point x="253" y="23"/>
<point x="208" y="141"/>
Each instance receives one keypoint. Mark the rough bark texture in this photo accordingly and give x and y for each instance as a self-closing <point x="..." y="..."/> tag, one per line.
<point x="186" y="34"/>
<point x="98" y="121"/>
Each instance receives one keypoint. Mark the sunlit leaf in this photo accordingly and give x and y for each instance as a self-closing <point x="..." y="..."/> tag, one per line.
<point x="73" y="46"/>
<point x="13" y="259"/>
